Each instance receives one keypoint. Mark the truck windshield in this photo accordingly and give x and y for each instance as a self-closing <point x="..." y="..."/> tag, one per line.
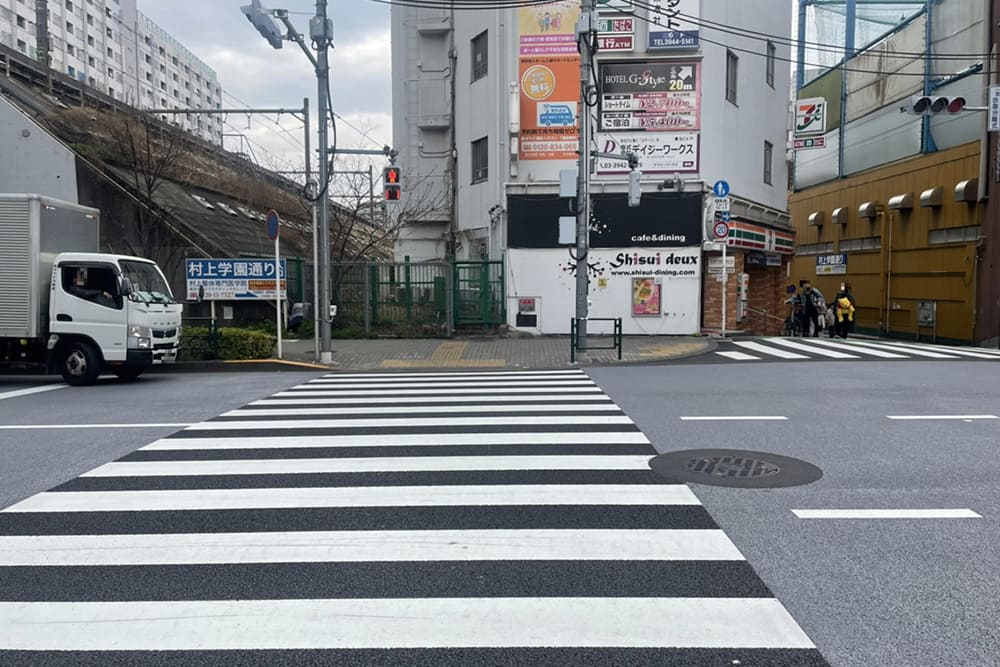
<point x="147" y="282"/>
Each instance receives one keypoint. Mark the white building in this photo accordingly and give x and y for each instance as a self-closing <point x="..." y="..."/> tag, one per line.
<point x="111" y="47"/>
<point x="485" y="111"/>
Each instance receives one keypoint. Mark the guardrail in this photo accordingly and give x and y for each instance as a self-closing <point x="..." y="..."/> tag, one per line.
<point x="574" y="336"/>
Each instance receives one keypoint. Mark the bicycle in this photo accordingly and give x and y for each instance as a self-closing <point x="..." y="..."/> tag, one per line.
<point x="792" y="326"/>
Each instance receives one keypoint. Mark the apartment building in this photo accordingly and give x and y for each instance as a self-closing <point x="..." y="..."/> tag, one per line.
<point x="110" y="46"/>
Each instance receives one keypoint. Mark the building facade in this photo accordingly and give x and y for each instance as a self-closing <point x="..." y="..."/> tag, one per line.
<point x="893" y="202"/>
<point x="110" y="46"/>
<point x="486" y="111"/>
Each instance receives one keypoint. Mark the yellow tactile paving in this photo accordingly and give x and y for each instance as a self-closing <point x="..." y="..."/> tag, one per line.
<point x="671" y="350"/>
<point x="447" y="355"/>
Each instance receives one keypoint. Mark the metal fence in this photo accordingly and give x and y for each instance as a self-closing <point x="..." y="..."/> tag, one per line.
<point x="417" y="299"/>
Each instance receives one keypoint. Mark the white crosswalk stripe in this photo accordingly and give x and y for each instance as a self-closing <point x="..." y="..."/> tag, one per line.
<point x="804" y="349"/>
<point x="468" y="516"/>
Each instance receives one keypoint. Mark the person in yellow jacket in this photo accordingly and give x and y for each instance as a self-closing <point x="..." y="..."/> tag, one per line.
<point x="843" y="304"/>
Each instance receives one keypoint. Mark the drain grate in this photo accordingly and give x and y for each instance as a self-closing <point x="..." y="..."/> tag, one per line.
<point x="734" y="468"/>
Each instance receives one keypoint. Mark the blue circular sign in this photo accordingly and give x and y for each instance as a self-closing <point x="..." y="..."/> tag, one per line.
<point x="272" y="224"/>
<point x="721" y="189"/>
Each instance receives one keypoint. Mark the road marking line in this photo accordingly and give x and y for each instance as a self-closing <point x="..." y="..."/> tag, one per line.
<point x="409" y="421"/>
<point x="16" y="427"/>
<point x="468" y="392"/>
<point x="962" y="353"/>
<point x="623" y="622"/>
<point x="773" y="351"/>
<point x="738" y="356"/>
<point x="419" y="409"/>
<point x="401" y="440"/>
<point x="383" y="377"/>
<point x="915" y="417"/>
<point x="365" y="465"/>
<point x="550" y="385"/>
<point x="450" y="400"/>
<point x="357" y="496"/>
<point x="887" y="514"/>
<point x="857" y="349"/>
<point x="353" y="546"/>
<point x="896" y="348"/>
<point x="31" y="390"/>
<point x="724" y="418"/>
<point x="802" y="347"/>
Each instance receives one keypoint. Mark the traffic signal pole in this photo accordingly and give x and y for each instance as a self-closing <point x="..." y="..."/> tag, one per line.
<point x="585" y="31"/>
<point x="322" y="43"/>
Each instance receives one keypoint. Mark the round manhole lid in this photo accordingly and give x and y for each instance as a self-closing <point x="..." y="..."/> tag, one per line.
<point x="734" y="468"/>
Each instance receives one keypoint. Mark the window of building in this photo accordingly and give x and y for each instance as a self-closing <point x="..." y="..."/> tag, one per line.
<point x="732" y="66"/>
<point x="70" y="51"/>
<point x="90" y="40"/>
<point x="111" y="72"/>
<point x="72" y="71"/>
<point x="91" y="61"/>
<point x="21" y="46"/>
<point x="772" y="53"/>
<point x="954" y="235"/>
<point x="815" y="248"/>
<point x="108" y="32"/>
<point x="148" y="58"/>
<point x="69" y="27"/>
<point x="480" y="160"/>
<point x="69" y="5"/>
<point x="149" y="76"/>
<point x="479" y="60"/>
<point x="768" y="161"/>
<point x="21" y="22"/>
<point x="90" y="19"/>
<point x="107" y="10"/>
<point x="111" y="52"/>
<point x="856" y="245"/>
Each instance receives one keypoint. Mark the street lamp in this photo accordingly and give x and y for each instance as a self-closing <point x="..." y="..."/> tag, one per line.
<point x="320" y="31"/>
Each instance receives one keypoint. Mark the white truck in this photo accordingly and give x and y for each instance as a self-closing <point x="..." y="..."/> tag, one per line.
<point x="67" y="308"/>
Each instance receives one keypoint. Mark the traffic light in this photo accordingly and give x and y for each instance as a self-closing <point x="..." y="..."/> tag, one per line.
<point x="265" y="25"/>
<point x="926" y="105"/>
<point x="392" y="187"/>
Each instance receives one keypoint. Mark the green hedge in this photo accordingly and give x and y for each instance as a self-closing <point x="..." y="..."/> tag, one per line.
<point x="231" y="343"/>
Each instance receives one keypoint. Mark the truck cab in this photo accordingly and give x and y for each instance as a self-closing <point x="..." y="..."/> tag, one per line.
<point x="110" y="313"/>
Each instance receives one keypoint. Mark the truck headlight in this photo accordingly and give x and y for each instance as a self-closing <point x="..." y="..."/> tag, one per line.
<point x="139" y="337"/>
<point x="136" y="331"/>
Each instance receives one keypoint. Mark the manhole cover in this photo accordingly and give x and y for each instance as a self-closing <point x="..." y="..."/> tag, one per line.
<point x="734" y="468"/>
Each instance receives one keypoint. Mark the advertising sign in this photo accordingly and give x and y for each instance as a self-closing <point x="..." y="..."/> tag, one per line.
<point x="659" y="152"/>
<point x="549" y="124"/>
<point x="646" y="296"/>
<point x="661" y="95"/>
<point x="831" y="265"/>
<point x="810" y="116"/>
<point x="809" y="143"/>
<point x="674" y="24"/>
<point x="616" y="33"/>
<point x="233" y="279"/>
<point x="993" y="110"/>
<point x="549" y="28"/>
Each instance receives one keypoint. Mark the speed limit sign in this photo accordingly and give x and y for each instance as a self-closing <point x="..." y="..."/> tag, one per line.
<point x="721" y="230"/>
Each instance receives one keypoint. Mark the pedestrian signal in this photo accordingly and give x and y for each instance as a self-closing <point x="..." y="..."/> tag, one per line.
<point x="393" y="189"/>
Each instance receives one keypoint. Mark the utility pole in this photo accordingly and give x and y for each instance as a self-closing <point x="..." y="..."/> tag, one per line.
<point x="585" y="33"/>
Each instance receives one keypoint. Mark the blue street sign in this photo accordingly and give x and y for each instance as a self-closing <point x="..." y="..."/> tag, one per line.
<point x="721" y="189"/>
<point x="725" y="216"/>
<point x="272" y="224"/>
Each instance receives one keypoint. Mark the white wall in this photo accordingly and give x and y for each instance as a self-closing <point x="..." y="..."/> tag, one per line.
<point x="546" y="276"/>
<point x="31" y="160"/>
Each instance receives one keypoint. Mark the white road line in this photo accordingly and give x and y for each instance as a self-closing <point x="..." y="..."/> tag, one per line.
<point x="401" y="623"/>
<point x="354" y="546"/>
<point x="357" y="496"/>
<point x="18" y="427"/>
<point x="14" y="393"/>
<point x="401" y="440"/>
<point x="738" y="356"/>
<point x="449" y="400"/>
<point x="410" y="421"/>
<point x="733" y="418"/>
<point x="882" y="354"/>
<point x="991" y="352"/>
<point x="764" y="349"/>
<point x="363" y="465"/>
<point x="887" y="514"/>
<point x="933" y="348"/>
<point x="803" y="347"/>
<point x="384" y="377"/>
<point x="465" y="391"/>
<point x="453" y="386"/>
<point x="933" y="417"/>
<point x="896" y="348"/>
<point x="419" y="409"/>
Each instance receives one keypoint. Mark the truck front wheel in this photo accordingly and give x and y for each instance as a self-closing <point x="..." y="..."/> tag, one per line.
<point x="80" y="364"/>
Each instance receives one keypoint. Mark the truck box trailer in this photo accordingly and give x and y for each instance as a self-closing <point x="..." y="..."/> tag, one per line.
<point x="66" y="307"/>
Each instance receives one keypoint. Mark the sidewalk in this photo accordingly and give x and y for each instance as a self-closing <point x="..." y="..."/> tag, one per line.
<point x="480" y="352"/>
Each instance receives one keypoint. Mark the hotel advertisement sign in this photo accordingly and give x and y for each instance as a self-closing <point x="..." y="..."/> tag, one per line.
<point x="655" y="96"/>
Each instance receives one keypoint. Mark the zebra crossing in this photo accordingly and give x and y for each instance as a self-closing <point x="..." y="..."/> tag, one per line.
<point x="487" y="518"/>
<point x="797" y="349"/>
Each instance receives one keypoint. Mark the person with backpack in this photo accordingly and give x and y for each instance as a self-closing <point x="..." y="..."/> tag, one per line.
<point x="813" y="306"/>
<point x="843" y="304"/>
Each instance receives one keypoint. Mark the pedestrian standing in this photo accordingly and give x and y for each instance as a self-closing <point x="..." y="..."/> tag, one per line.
<point x="843" y="303"/>
<point x="811" y="299"/>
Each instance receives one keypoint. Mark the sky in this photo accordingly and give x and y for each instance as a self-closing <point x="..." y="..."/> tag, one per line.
<point x="253" y="74"/>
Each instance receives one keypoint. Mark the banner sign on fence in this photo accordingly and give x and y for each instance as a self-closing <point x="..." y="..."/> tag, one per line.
<point x="234" y="279"/>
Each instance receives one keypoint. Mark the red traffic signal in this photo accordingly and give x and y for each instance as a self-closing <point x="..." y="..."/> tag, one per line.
<point x="393" y="190"/>
<point x="933" y="104"/>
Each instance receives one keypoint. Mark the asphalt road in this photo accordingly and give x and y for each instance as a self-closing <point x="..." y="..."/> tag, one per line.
<point x="867" y="591"/>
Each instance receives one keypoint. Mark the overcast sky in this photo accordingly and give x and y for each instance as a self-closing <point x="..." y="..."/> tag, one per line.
<point x="252" y="74"/>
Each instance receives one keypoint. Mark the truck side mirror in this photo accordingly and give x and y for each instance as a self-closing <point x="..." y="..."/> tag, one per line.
<point x="126" y="287"/>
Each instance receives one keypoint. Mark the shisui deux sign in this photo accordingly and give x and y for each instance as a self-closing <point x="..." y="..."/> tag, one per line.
<point x="662" y="95"/>
<point x="658" y="152"/>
